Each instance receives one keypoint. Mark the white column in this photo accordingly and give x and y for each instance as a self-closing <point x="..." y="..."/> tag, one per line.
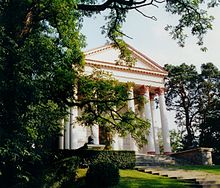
<point x="115" y="144"/>
<point x="157" y="141"/>
<point x="155" y="133"/>
<point x="164" y="123"/>
<point x="148" y="115"/>
<point x="61" y="137"/>
<point x="120" y="143"/>
<point x="73" y="128"/>
<point x="67" y="131"/>
<point x="95" y="134"/>
<point x="131" y="106"/>
<point x="115" y="139"/>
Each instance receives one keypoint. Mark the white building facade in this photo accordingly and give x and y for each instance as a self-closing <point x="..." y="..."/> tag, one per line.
<point x="148" y="79"/>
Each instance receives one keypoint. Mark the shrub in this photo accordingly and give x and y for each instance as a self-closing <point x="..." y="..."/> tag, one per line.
<point x="61" y="174"/>
<point x="102" y="175"/>
<point x="122" y="159"/>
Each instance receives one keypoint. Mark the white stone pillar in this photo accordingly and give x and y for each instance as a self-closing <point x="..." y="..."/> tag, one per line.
<point x="120" y="143"/>
<point x="155" y="134"/>
<point x="131" y="106"/>
<point x="115" y="139"/>
<point x="157" y="141"/>
<point x="115" y="144"/>
<point x="95" y="134"/>
<point x="61" y="137"/>
<point x="164" y="123"/>
<point x="67" y="131"/>
<point x="73" y="128"/>
<point x="145" y="90"/>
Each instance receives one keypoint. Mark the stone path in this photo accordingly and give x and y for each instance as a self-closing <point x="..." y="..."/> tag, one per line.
<point x="195" y="178"/>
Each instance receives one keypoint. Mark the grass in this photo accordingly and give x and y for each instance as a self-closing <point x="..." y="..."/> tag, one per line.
<point x="136" y="179"/>
<point x="211" y="169"/>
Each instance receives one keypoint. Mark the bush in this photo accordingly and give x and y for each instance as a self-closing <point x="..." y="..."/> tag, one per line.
<point x="102" y="175"/>
<point x="122" y="159"/>
<point x="61" y="174"/>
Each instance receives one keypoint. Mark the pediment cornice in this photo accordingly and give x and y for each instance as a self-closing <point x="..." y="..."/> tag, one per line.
<point x="153" y="67"/>
<point x="109" y="65"/>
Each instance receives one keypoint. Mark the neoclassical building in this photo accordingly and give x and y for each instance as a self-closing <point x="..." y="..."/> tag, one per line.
<point x="148" y="79"/>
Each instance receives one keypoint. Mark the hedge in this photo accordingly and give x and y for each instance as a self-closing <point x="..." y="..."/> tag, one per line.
<point x="122" y="159"/>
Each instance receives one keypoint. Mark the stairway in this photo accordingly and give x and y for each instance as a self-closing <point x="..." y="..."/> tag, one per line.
<point x="194" y="178"/>
<point x="154" y="160"/>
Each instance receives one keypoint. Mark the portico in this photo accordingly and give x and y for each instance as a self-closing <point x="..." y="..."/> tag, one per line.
<point x="148" y="79"/>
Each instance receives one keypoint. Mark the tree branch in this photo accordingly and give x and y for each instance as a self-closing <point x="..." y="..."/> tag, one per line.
<point x="112" y="4"/>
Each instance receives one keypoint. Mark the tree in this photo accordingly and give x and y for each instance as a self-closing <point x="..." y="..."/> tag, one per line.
<point x="41" y="64"/>
<point x="36" y="80"/>
<point x="194" y="97"/>
<point x="210" y="111"/>
<point x="210" y="134"/>
<point x="182" y="96"/>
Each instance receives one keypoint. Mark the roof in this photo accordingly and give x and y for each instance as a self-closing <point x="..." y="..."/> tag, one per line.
<point x="107" y="55"/>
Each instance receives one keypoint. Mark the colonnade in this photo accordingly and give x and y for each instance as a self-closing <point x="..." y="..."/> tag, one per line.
<point x="73" y="136"/>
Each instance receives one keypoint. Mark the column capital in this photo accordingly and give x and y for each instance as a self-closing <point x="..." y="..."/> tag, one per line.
<point x="130" y="89"/>
<point x="144" y="89"/>
<point x="160" y="91"/>
<point x="152" y="95"/>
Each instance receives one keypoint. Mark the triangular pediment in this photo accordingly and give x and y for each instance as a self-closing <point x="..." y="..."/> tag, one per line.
<point x="108" y="56"/>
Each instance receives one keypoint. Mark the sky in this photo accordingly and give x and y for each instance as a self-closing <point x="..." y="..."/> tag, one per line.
<point x="150" y="38"/>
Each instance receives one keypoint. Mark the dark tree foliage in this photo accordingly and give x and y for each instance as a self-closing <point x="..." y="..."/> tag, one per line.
<point x="36" y="79"/>
<point x="210" y="109"/>
<point x="195" y="97"/>
<point x="182" y="96"/>
<point x="210" y="135"/>
<point x="102" y="175"/>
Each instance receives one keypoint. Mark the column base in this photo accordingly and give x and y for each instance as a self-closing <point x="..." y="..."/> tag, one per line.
<point x="167" y="153"/>
<point x="151" y="152"/>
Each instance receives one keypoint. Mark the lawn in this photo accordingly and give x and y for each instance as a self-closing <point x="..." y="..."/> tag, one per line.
<point x="211" y="169"/>
<point x="135" y="179"/>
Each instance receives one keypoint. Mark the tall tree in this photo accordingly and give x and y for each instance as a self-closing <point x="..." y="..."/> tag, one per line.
<point x="209" y="90"/>
<point x="36" y="79"/>
<point x="194" y="97"/>
<point x="210" y="112"/>
<point x="182" y="96"/>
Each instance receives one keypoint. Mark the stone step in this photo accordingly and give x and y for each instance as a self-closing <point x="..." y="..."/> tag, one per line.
<point x="204" y="182"/>
<point x="194" y="178"/>
<point x="157" y="163"/>
<point x="205" y="185"/>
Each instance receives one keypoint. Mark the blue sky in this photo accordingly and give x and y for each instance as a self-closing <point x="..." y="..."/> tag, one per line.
<point x="150" y="38"/>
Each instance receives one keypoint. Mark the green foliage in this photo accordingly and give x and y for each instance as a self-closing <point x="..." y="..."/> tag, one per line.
<point x="176" y="140"/>
<point x="102" y="174"/>
<point x="61" y="174"/>
<point x="195" y="97"/>
<point x="182" y="96"/>
<point x="191" y="15"/>
<point x="36" y="79"/>
<point x="210" y="134"/>
<point x="122" y="159"/>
